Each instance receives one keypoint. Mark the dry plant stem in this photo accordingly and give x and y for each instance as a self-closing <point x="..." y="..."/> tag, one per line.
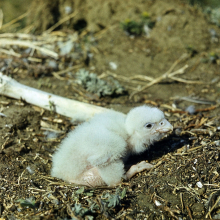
<point x="184" y="80"/>
<point x="181" y="199"/>
<point x="189" y="212"/>
<point x="71" y="213"/>
<point x="28" y="44"/>
<point x="100" y="33"/>
<point x="213" y="207"/>
<point x="1" y="18"/>
<point x="77" y="110"/>
<point x="127" y="79"/>
<point x="67" y="70"/>
<point x="19" y="35"/>
<point x="36" y="40"/>
<point x="193" y="100"/>
<point x="10" y="52"/>
<point x="168" y="74"/>
<point x="68" y="17"/>
<point x="15" y="20"/>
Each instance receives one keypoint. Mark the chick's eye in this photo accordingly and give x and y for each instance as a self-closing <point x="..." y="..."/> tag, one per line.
<point x="161" y="123"/>
<point x="148" y="125"/>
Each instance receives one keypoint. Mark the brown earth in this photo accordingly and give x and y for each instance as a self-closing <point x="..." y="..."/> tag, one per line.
<point x="186" y="159"/>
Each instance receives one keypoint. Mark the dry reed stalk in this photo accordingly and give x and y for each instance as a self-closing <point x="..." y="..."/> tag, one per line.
<point x="14" y="20"/>
<point x="32" y="45"/>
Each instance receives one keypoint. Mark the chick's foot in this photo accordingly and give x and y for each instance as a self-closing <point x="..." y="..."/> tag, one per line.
<point x="138" y="168"/>
<point x="89" y="178"/>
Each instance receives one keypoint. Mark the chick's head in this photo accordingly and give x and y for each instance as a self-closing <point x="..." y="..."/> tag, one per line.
<point x="145" y="125"/>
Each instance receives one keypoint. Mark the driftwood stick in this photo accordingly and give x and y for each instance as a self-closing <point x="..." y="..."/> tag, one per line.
<point x="78" y="111"/>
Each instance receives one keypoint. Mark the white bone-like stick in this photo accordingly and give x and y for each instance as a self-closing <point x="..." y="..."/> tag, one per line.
<point x="78" y="111"/>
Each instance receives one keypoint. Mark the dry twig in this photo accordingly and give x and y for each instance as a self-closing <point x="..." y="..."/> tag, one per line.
<point x="14" y="20"/>
<point x="213" y="207"/>
<point x="1" y="18"/>
<point x="10" y="52"/>
<point x="169" y="74"/>
<point x="68" y="17"/>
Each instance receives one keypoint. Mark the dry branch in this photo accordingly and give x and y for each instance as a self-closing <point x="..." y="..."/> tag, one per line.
<point x="76" y="110"/>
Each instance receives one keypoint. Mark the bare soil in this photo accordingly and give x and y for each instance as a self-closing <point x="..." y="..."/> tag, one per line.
<point x="185" y="181"/>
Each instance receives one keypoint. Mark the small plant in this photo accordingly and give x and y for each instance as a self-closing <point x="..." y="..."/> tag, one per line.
<point x="27" y="203"/>
<point x="52" y="106"/>
<point x="115" y="199"/>
<point x="132" y="27"/>
<point x="79" y="210"/>
<point x="106" y="203"/>
<point x="147" y="20"/>
<point x="93" y="84"/>
<point x="81" y="191"/>
<point x="211" y="58"/>
<point x="213" y="14"/>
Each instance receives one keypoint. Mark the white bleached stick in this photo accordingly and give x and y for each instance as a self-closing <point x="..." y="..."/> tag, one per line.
<point x="78" y="111"/>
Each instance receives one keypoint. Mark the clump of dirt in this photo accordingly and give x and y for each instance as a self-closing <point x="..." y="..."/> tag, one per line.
<point x="185" y="180"/>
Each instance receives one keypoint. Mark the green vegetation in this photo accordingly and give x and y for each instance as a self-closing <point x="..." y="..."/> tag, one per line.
<point x="211" y="58"/>
<point x="27" y="203"/>
<point x="93" y="84"/>
<point x="115" y="199"/>
<point x="105" y="202"/>
<point x="210" y="7"/>
<point x="205" y="3"/>
<point x="132" y="27"/>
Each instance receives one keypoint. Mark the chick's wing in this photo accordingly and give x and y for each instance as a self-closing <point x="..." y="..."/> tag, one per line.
<point x="111" y="147"/>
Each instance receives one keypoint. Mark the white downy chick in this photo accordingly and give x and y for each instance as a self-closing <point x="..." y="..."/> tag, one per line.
<point x="93" y="153"/>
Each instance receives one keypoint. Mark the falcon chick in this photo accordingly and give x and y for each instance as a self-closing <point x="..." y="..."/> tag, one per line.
<point x="93" y="153"/>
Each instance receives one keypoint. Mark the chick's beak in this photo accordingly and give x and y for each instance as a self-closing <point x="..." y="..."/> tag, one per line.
<point x="165" y="127"/>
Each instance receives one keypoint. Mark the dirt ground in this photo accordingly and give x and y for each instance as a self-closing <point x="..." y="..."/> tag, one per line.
<point x="184" y="184"/>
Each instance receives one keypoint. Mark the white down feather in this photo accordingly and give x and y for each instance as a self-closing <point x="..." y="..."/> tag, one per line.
<point x="104" y="141"/>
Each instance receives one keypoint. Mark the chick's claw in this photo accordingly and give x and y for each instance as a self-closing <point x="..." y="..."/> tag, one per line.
<point x="138" y="168"/>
